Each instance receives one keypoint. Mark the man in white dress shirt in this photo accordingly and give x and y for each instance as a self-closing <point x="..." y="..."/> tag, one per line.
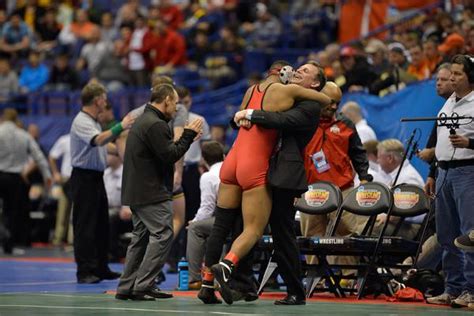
<point x="390" y="156"/>
<point x="200" y="226"/>
<point x="120" y="217"/>
<point x="353" y="112"/>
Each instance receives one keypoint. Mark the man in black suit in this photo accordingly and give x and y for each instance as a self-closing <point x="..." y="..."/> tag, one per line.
<point x="287" y="174"/>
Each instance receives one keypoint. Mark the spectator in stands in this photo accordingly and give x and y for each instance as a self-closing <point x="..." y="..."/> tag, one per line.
<point x="335" y="143"/>
<point x="107" y="28"/>
<point x="31" y="13"/>
<point x="353" y="112"/>
<point x="120" y="217"/>
<point x="48" y="30"/>
<point x="79" y="30"/>
<point x="224" y="62"/>
<point x="16" y="38"/>
<point x="65" y="15"/>
<point x="338" y="73"/>
<point x="418" y="66"/>
<point x="62" y="150"/>
<point x="357" y="71"/>
<point x="9" y="84"/>
<point x="455" y="183"/>
<point x="305" y="18"/>
<point x="63" y="77"/>
<point x="389" y="156"/>
<point x="139" y="62"/>
<point x="333" y="50"/>
<point x="452" y="45"/>
<point x="264" y="32"/>
<point x="3" y="19"/>
<point x="16" y="147"/>
<point x="110" y="70"/>
<point x="396" y="77"/>
<point x="168" y="47"/>
<point x="199" y="50"/>
<point x="377" y="52"/>
<point x="88" y="159"/>
<point x="229" y="42"/>
<point x="469" y="44"/>
<point x="192" y="158"/>
<point x="129" y="12"/>
<point x="324" y="60"/>
<point x="200" y="226"/>
<point x="432" y="55"/>
<point x="171" y="14"/>
<point x="93" y="52"/>
<point x="34" y="75"/>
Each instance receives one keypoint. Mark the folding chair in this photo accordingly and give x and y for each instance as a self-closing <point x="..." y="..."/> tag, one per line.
<point x="409" y="201"/>
<point x="370" y="200"/>
<point x="320" y="199"/>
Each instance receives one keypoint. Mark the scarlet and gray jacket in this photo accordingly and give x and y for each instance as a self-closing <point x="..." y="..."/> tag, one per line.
<point x="342" y="147"/>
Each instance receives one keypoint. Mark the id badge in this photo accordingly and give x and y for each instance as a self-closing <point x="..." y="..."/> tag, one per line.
<point x="320" y="162"/>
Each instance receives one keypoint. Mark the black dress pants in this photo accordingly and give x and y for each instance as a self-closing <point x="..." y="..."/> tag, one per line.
<point x="286" y="249"/>
<point x="90" y="221"/>
<point x="11" y="192"/>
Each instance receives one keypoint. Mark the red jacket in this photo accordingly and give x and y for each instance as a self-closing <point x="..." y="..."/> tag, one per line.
<point x="343" y="150"/>
<point x="169" y="47"/>
<point x="172" y="16"/>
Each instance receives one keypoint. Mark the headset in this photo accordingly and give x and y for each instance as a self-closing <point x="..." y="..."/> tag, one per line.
<point x="469" y="67"/>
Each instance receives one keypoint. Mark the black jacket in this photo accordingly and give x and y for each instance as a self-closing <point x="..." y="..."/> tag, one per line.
<point x="149" y="159"/>
<point x="297" y="127"/>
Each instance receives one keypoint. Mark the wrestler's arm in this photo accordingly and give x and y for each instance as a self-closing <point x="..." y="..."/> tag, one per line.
<point x="304" y="115"/>
<point x="299" y="93"/>
<point x="243" y="105"/>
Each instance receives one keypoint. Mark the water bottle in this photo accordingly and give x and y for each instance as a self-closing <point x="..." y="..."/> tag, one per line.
<point x="183" y="275"/>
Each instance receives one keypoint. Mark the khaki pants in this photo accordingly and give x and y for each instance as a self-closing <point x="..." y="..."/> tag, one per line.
<point x="318" y="225"/>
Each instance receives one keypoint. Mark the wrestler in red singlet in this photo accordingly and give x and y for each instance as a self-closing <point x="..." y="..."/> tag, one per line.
<point x="246" y="165"/>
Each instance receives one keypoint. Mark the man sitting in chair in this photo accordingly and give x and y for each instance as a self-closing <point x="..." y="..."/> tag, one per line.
<point x="390" y="156"/>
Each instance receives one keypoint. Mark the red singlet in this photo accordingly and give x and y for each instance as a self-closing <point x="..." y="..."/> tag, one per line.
<point x="246" y="165"/>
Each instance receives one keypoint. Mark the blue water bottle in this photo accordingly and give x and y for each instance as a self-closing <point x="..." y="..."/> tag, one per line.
<point x="183" y="275"/>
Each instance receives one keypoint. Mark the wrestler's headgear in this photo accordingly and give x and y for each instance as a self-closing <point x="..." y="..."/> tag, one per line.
<point x="285" y="73"/>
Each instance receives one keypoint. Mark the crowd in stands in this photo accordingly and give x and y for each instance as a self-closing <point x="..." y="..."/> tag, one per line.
<point x="54" y="45"/>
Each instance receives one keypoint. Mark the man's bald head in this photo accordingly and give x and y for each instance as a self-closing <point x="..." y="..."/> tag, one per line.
<point x="352" y="111"/>
<point x="335" y="94"/>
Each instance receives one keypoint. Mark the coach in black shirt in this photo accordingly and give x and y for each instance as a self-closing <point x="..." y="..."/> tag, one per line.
<point x="147" y="187"/>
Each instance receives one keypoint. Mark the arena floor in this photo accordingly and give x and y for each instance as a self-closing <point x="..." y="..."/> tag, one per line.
<point x="42" y="282"/>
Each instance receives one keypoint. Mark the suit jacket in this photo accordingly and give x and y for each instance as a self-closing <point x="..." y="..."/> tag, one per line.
<point x="149" y="159"/>
<point x="297" y="127"/>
